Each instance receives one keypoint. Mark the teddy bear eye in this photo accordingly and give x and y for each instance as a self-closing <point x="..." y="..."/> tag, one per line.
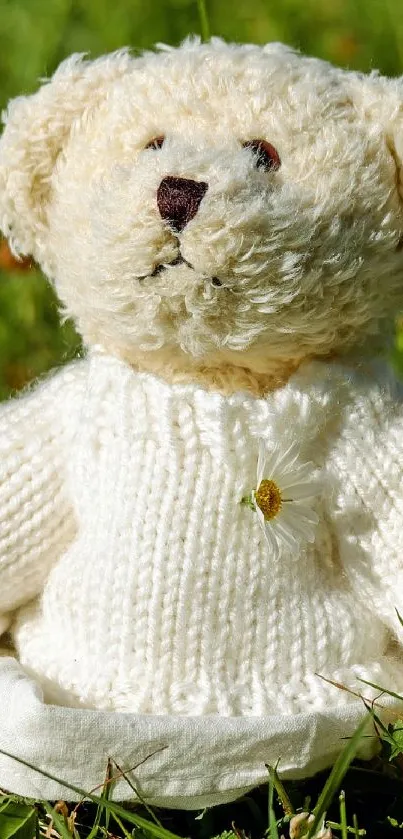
<point x="156" y="142"/>
<point x="267" y="157"/>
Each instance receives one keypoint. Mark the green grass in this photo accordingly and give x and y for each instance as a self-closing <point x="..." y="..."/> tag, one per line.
<point x="31" y="337"/>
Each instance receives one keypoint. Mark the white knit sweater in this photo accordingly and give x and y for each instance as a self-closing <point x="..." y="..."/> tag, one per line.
<point x="120" y="507"/>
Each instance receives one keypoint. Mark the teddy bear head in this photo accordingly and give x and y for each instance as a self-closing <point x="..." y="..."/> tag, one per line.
<point x="212" y="203"/>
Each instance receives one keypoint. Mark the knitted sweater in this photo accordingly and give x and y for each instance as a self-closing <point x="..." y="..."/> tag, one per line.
<point x="134" y="579"/>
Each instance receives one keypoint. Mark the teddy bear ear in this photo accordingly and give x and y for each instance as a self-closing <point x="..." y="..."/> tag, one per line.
<point x="36" y="129"/>
<point x="378" y="100"/>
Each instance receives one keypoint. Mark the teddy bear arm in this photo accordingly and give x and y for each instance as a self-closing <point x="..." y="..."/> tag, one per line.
<point x="36" y="516"/>
<point x="388" y="542"/>
<point x="369" y="517"/>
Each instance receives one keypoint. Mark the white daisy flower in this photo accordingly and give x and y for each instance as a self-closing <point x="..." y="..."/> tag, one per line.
<point x="281" y="499"/>
<point x="300" y="826"/>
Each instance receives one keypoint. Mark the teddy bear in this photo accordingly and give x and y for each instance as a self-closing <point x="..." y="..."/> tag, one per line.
<point x="203" y="515"/>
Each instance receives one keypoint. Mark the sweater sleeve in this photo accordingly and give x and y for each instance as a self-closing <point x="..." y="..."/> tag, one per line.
<point x="36" y="515"/>
<point x="367" y="471"/>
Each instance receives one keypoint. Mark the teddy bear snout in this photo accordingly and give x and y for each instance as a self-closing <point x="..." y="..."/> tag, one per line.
<point x="179" y="199"/>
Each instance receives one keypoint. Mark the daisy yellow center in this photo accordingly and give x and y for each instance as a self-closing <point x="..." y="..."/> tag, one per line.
<point x="268" y="498"/>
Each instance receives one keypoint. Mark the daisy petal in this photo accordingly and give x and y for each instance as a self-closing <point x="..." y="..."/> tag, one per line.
<point x="284" y="462"/>
<point x="303" y="528"/>
<point x="298" y="474"/>
<point x="261" y="462"/>
<point x="271" y="541"/>
<point x="258" y="510"/>
<point x="301" y="490"/>
<point x="305" y="532"/>
<point x="285" y="534"/>
<point x="270" y="464"/>
<point x="301" y="511"/>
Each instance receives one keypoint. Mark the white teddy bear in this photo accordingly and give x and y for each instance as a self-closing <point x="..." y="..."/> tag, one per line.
<point x="205" y="515"/>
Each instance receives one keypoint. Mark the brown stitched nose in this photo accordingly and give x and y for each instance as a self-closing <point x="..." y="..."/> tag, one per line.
<point x="179" y="199"/>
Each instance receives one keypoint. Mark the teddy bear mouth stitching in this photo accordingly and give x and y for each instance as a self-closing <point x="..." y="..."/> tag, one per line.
<point x="179" y="260"/>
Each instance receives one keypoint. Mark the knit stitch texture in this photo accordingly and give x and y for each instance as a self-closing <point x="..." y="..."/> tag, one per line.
<point x="139" y="582"/>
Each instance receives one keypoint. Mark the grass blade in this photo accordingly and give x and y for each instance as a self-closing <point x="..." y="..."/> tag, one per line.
<point x="382" y="690"/>
<point x="204" y="20"/>
<point x="335" y="778"/>
<point x="381" y="727"/>
<point x="132" y="786"/>
<point x="400" y="619"/>
<point x="17" y="819"/>
<point x="105" y="793"/>
<point x="280" y="790"/>
<point x="343" y="815"/>
<point x="111" y="806"/>
<point x="120" y="824"/>
<point x="273" y="832"/>
<point x="58" y="821"/>
<point x="357" y="832"/>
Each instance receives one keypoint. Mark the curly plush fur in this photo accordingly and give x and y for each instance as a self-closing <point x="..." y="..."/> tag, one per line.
<point x="308" y="256"/>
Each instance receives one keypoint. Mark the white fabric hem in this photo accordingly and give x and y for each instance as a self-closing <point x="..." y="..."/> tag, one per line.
<point x="195" y="762"/>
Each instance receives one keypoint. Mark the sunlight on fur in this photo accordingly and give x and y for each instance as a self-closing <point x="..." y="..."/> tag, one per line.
<point x="305" y="255"/>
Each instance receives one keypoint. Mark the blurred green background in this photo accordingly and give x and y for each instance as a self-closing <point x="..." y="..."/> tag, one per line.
<point x="35" y="35"/>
